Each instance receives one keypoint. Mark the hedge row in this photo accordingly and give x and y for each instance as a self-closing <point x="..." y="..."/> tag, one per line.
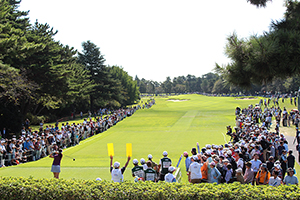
<point x="23" y="188"/>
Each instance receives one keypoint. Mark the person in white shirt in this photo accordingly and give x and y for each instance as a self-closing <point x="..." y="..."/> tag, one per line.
<point x="116" y="172"/>
<point x="195" y="170"/>
<point x="169" y="177"/>
<point x="275" y="180"/>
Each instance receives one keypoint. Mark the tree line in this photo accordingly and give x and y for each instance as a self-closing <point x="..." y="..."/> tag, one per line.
<point x="213" y="83"/>
<point x="42" y="77"/>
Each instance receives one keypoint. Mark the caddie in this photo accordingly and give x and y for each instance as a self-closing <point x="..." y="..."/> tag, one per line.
<point x="137" y="170"/>
<point x="164" y="165"/>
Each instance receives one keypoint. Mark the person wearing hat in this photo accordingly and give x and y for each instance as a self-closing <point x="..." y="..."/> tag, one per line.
<point x="116" y="172"/>
<point x="150" y="174"/>
<point x="164" y="165"/>
<point x="169" y="177"/>
<point x="214" y="174"/>
<point x="194" y="174"/>
<point x="263" y="175"/>
<point x="143" y="163"/>
<point x="291" y="179"/>
<point x="154" y="165"/>
<point x="275" y="180"/>
<point x="249" y="174"/>
<point x="239" y="176"/>
<point x="137" y="171"/>
<point x="57" y="156"/>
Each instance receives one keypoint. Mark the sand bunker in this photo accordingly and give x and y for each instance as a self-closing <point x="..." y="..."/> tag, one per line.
<point x="177" y="100"/>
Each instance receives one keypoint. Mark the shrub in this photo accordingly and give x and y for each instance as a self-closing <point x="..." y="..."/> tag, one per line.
<point x="23" y="188"/>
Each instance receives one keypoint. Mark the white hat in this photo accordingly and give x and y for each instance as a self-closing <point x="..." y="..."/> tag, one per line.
<point x="208" y="152"/>
<point x="165" y="153"/>
<point x="135" y="161"/>
<point x="116" y="164"/>
<point x="150" y="156"/>
<point x="171" y="169"/>
<point x="142" y="161"/>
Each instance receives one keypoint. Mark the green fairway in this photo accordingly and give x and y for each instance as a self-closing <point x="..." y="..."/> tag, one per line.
<point x="173" y="126"/>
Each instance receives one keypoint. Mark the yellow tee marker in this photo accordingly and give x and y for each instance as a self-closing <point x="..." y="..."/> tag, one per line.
<point x="129" y="150"/>
<point x="110" y="149"/>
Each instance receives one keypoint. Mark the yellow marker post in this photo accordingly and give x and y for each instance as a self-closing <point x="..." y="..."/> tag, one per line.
<point x="129" y="149"/>
<point x="110" y="149"/>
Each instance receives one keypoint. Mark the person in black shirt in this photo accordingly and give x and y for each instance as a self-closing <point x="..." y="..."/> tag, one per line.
<point x="291" y="159"/>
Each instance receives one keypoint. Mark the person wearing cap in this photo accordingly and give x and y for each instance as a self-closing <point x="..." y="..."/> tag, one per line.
<point x="57" y="156"/>
<point x="164" y="165"/>
<point x="154" y="165"/>
<point x="249" y="174"/>
<point x="116" y="172"/>
<point x="214" y="174"/>
<point x="195" y="175"/>
<point x="275" y="180"/>
<point x="291" y="179"/>
<point x="137" y="171"/>
<point x="150" y="174"/>
<point x="263" y="175"/>
<point x="143" y="163"/>
<point x="169" y="177"/>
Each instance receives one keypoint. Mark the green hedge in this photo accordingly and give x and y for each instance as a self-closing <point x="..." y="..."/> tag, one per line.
<point x="23" y="188"/>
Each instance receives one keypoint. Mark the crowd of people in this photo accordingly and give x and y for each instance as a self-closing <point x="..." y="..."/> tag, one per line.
<point x="34" y="145"/>
<point x="254" y="155"/>
<point x="146" y="171"/>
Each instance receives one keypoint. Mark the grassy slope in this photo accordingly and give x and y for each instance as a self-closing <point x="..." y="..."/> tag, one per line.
<point x="171" y="126"/>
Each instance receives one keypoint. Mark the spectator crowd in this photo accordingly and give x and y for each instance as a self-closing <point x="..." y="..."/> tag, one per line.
<point x="34" y="145"/>
<point x="254" y="155"/>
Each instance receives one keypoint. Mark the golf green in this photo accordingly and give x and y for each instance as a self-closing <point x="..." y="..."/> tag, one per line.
<point x="175" y="124"/>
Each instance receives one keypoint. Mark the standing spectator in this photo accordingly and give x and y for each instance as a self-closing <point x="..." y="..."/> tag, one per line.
<point x="187" y="162"/>
<point x="194" y="174"/>
<point x="291" y="160"/>
<point x="291" y="179"/>
<point x="249" y="174"/>
<point x="263" y="176"/>
<point x="169" y="177"/>
<point x="204" y="170"/>
<point x="116" y="172"/>
<point x="255" y="164"/>
<point x="164" y="165"/>
<point x="239" y="176"/>
<point x="283" y="162"/>
<point x="215" y="174"/>
<point x="275" y="180"/>
<point x="154" y="165"/>
<point x="150" y="174"/>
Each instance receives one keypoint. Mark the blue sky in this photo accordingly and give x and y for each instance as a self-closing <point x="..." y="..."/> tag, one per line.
<point x="158" y="38"/>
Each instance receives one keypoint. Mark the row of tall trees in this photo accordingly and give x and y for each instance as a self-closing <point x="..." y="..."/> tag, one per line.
<point x="213" y="83"/>
<point x="41" y="76"/>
